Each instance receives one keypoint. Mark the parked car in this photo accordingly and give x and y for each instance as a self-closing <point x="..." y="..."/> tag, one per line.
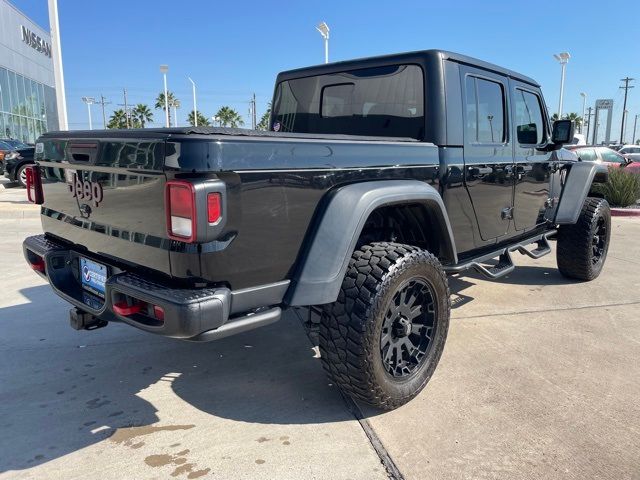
<point x="15" y="160"/>
<point x="5" y="149"/>
<point x="631" y="151"/>
<point x="15" y="144"/>
<point x="606" y="156"/>
<point x="378" y="178"/>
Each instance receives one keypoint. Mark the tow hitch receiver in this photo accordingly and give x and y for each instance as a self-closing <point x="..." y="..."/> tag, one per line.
<point x="81" y="320"/>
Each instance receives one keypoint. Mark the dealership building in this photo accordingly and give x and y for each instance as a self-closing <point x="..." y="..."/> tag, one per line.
<point x="27" y="94"/>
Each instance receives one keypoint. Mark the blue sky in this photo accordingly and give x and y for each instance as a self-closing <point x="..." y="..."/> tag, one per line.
<point x="234" y="48"/>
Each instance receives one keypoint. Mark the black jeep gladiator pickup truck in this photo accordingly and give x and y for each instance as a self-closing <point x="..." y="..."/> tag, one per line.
<point x="377" y="179"/>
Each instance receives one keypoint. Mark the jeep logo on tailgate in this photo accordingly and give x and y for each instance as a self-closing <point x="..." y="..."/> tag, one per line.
<point x="86" y="190"/>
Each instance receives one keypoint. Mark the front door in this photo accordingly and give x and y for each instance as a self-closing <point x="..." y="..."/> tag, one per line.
<point x="488" y="151"/>
<point x="533" y="166"/>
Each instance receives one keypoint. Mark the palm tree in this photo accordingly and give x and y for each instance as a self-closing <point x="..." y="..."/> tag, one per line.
<point x="263" y="124"/>
<point x="171" y="100"/>
<point x="202" y="120"/>
<point x="573" y="116"/>
<point x="141" y="114"/>
<point x="577" y="119"/>
<point x="118" y="119"/>
<point x="228" y="117"/>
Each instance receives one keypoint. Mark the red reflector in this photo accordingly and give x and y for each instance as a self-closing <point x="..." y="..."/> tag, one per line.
<point x="180" y="204"/>
<point x="38" y="265"/>
<point x="34" y="185"/>
<point x="158" y="312"/>
<point x="214" y="207"/>
<point x="122" y="308"/>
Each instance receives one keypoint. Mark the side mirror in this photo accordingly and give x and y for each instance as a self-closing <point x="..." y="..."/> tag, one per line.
<point x="562" y="133"/>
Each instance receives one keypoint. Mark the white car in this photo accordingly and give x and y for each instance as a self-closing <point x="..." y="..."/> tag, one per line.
<point x="631" y="151"/>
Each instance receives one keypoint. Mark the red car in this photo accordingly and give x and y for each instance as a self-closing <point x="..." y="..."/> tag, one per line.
<point x="607" y="156"/>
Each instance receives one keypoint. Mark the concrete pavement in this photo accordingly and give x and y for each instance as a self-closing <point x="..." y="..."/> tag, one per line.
<point x="539" y="379"/>
<point x="118" y="403"/>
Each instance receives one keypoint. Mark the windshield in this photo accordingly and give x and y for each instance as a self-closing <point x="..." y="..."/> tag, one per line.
<point x="382" y="101"/>
<point x="610" y="156"/>
<point x="16" y="144"/>
<point x="5" y="146"/>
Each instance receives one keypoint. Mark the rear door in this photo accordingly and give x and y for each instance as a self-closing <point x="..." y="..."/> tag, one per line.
<point x="488" y="152"/>
<point x="107" y="195"/>
<point x="533" y="166"/>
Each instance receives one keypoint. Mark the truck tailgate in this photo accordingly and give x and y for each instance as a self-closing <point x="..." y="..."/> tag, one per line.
<point x="107" y="195"/>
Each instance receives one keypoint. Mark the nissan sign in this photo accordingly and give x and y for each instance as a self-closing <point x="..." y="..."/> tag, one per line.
<point x="35" y="41"/>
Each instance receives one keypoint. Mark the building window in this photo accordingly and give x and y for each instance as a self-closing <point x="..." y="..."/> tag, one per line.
<point x="27" y="107"/>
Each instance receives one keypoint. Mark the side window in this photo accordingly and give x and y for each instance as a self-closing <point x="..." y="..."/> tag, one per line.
<point x="529" y="120"/>
<point x="587" y="154"/>
<point x="485" y="108"/>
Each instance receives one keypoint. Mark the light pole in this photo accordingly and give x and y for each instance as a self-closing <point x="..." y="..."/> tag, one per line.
<point x="195" y="109"/>
<point x="164" y="69"/>
<point x="175" y="114"/>
<point x="89" y="101"/>
<point x="563" y="58"/>
<point x="58" y="74"/>
<point x="323" y="28"/>
<point x="635" y="122"/>
<point x="584" y="108"/>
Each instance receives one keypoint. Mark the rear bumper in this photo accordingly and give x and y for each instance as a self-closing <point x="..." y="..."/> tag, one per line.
<point x="200" y="314"/>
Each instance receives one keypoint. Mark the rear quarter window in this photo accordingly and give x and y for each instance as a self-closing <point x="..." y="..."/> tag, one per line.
<point x="383" y="101"/>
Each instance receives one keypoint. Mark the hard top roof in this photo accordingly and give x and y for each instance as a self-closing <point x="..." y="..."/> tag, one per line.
<point x="407" y="57"/>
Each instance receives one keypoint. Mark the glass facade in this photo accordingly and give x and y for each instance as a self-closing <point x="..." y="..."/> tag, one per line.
<point x="27" y="107"/>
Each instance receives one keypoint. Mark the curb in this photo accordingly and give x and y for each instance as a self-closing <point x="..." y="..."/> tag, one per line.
<point x="625" y="212"/>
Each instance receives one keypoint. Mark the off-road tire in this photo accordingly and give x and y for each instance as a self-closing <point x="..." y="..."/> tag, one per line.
<point x="575" y="247"/>
<point x="351" y="327"/>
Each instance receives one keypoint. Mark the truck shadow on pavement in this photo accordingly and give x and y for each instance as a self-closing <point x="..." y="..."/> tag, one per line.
<point x="522" y="275"/>
<point x="62" y="390"/>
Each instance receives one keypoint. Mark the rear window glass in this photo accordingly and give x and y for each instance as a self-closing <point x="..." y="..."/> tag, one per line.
<point x="382" y="101"/>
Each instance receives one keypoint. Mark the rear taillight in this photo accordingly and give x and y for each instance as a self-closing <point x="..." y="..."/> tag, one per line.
<point x="34" y="185"/>
<point x="180" y="204"/>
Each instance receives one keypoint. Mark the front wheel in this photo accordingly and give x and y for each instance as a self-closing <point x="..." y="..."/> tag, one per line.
<point x="381" y="341"/>
<point x="21" y="175"/>
<point x="582" y="247"/>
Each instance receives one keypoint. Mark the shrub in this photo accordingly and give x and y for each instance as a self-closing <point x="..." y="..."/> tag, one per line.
<point x="622" y="189"/>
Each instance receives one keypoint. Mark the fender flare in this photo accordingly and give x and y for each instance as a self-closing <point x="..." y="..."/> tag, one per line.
<point x="323" y="265"/>
<point x="580" y="178"/>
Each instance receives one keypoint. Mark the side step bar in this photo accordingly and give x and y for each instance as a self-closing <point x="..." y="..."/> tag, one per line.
<point x="505" y="263"/>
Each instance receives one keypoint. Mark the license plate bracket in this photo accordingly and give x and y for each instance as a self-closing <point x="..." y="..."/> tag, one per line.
<point x="93" y="276"/>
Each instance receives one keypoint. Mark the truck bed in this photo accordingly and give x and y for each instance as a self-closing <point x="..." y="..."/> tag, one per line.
<point x="215" y="131"/>
<point x="274" y="181"/>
